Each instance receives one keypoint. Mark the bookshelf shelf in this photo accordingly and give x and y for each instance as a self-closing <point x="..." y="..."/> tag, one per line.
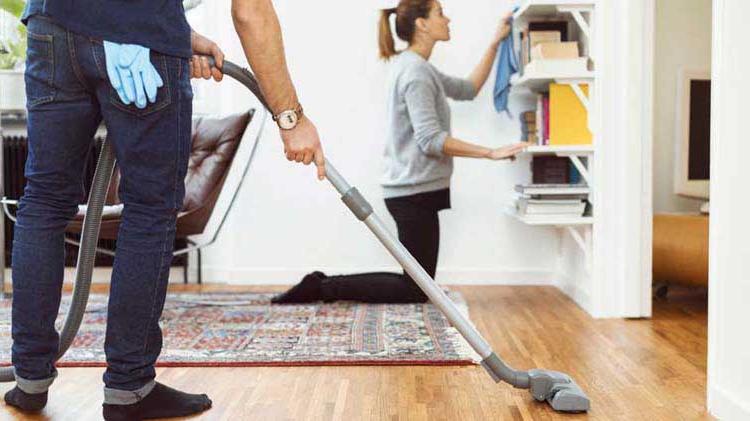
<point x="550" y="220"/>
<point x="540" y="81"/>
<point x="566" y="150"/>
<point x="555" y="190"/>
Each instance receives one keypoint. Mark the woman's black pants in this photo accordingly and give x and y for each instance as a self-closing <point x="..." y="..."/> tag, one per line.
<point x="419" y="231"/>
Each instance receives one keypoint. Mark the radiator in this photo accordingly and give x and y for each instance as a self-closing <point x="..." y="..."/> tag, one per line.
<point x="14" y="159"/>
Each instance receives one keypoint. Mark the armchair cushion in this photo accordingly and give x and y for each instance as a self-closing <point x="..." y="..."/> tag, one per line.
<point x="214" y="143"/>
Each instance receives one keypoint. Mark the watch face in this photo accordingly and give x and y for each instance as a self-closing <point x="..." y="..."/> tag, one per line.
<point x="287" y="120"/>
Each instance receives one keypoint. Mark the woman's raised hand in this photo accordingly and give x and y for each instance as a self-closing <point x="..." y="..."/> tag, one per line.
<point x="504" y="28"/>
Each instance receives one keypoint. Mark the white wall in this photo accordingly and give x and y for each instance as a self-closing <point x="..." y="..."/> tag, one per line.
<point x="286" y="223"/>
<point x="683" y="38"/>
<point x="729" y="272"/>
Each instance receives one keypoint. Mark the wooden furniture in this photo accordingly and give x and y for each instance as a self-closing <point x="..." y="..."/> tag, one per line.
<point x="680" y="249"/>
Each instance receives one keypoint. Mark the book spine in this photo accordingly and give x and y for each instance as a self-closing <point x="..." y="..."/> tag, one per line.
<point x="527" y="51"/>
<point x="540" y="119"/>
<point x="545" y="103"/>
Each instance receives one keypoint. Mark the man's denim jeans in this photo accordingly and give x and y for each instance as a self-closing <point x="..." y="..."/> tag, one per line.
<point x="68" y="96"/>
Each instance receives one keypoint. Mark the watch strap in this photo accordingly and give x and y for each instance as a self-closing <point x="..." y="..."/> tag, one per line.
<point x="298" y="110"/>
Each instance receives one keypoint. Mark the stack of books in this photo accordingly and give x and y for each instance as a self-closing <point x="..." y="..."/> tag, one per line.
<point x="545" y="49"/>
<point x="557" y="58"/>
<point x="546" y="200"/>
<point x="529" y="131"/>
<point x="546" y="169"/>
<point x="540" y="33"/>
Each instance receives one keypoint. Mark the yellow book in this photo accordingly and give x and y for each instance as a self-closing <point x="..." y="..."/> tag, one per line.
<point x="568" y="119"/>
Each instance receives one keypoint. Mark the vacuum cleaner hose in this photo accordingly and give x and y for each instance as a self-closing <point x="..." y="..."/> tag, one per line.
<point x="243" y="76"/>
<point x="86" y="254"/>
<point x="87" y="251"/>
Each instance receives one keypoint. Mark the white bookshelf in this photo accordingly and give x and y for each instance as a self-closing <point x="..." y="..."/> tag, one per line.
<point x="616" y="228"/>
<point x="580" y="155"/>
<point x="581" y="16"/>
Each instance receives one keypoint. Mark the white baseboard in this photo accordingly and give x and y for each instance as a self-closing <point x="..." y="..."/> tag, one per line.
<point x="457" y="276"/>
<point x="727" y="406"/>
<point x="576" y="292"/>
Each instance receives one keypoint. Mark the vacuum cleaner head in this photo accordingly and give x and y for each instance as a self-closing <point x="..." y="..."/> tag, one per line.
<point x="559" y="390"/>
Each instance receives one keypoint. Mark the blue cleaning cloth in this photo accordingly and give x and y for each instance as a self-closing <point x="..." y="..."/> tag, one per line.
<point x="507" y="65"/>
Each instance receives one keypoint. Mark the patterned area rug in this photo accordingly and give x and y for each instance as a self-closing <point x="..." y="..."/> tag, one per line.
<point x="245" y="330"/>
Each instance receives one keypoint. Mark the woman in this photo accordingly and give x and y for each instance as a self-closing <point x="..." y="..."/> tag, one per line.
<point x="418" y="155"/>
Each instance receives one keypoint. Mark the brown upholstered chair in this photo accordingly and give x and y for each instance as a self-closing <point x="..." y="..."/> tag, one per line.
<point x="222" y="149"/>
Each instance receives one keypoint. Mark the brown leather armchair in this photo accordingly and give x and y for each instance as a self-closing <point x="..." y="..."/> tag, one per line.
<point x="221" y="149"/>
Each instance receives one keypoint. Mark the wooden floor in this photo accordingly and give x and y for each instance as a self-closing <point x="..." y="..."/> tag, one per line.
<point x="632" y="370"/>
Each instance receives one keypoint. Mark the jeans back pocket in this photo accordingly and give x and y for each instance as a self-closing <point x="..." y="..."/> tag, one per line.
<point x="163" y="94"/>
<point x="40" y="67"/>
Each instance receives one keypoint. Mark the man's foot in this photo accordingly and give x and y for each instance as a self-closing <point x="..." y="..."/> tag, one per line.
<point x="29" y="402"/>
<point x="161" y="402"/>
<point x="307" y="291"/>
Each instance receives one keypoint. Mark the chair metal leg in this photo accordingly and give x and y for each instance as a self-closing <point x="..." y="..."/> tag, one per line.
<point x="200" y="267"/>
<point x="185" y="270"/>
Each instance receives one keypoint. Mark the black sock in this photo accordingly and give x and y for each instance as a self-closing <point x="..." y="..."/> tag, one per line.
<point x="29" y="402"/>
<point x="161" y="402"/>
<point x="307" y="291"/>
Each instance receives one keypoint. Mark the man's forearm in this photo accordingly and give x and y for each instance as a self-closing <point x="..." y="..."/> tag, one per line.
<point x="258" y="27"/>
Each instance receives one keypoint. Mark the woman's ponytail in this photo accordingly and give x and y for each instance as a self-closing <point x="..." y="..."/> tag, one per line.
<point x="407" y="13"/>
<point x="385" y="35"/>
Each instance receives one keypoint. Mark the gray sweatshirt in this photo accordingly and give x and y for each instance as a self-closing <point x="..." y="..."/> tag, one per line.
<point x="419" y="122"/>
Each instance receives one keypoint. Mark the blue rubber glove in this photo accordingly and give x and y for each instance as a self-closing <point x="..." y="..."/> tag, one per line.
<point x="131" y="73"/>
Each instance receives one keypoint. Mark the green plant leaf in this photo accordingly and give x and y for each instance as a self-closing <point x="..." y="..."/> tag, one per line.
<point x="14" y="7"/>
<point x="16" y="53"/>
<point x="6" y="62"/>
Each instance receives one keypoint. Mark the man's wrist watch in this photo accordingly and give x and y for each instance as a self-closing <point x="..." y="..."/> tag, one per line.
<point x="288" y="119"/>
